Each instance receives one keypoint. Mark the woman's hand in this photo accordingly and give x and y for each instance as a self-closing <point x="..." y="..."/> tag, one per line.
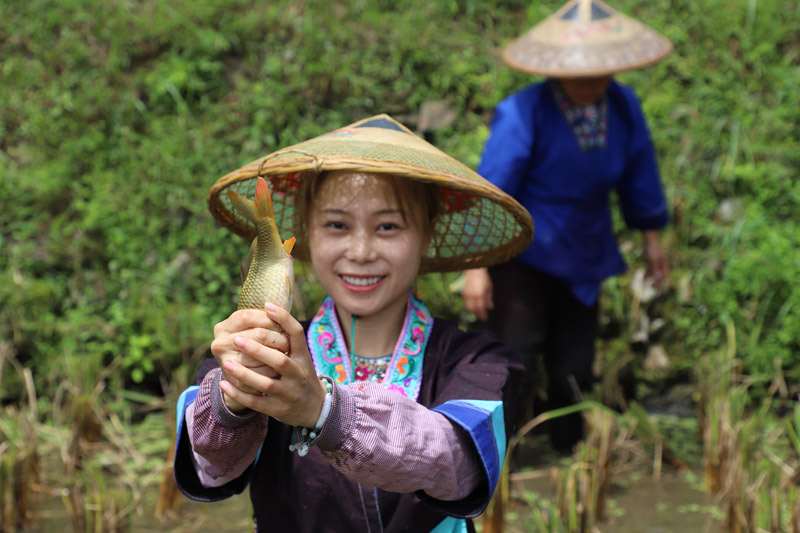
<point x="477" y="293"/>
<point x="251" y="324"/>
<point x="294" y="394"/>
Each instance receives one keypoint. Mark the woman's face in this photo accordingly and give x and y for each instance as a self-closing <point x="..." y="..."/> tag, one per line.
<point x="363" y="251"/>
<point x="584" y="91"/>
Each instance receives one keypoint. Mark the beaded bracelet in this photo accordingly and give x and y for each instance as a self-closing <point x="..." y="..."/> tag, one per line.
<point x="301" y="437"/>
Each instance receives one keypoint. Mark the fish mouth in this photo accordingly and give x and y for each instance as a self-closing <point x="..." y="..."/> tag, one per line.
<point x="361" y="283"/>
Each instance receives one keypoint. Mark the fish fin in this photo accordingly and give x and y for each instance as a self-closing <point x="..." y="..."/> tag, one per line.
<point x="290" y="291"/>
<point x="288" y="244"/>
<point x="245" y="207"/>
<point x="263" y="200"/>
<point x="244" y="266"/>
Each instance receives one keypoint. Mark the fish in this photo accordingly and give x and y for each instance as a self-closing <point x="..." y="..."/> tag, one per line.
<point x="268" y="270"/>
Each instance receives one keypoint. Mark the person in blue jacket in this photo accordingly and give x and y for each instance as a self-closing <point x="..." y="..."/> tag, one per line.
<point x="561" y="147"/>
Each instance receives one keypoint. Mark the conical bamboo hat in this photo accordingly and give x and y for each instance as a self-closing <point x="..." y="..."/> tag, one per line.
<point x="478" y="224"/>
<point x="586" y="38"/>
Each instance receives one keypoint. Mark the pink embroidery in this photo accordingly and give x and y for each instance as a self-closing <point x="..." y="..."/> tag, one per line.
<point x="398" y="389"/>
<point x="362" y="373"/>
<point x="326" y="341"/>
<point x="417" y="336"/>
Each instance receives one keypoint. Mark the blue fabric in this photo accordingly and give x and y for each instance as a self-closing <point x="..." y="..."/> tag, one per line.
<point x="533" y="155"/>
<point x="483" y="421"/>
<point x="184" y="400"/>
<point x="451" y="525"/>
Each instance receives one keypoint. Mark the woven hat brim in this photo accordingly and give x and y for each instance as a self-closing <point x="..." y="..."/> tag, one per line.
<point x="561" y="48"/>
<point x="480" y="225"/>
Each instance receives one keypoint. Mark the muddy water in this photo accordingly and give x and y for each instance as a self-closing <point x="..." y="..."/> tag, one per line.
<point x="644" y="505"/>
<point x="641" y="505"/>
<point x="231" y="515"/>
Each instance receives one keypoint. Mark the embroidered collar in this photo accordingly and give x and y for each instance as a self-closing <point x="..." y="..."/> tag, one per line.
<point x="404" y="372"/>
<point x="589" y="122"/>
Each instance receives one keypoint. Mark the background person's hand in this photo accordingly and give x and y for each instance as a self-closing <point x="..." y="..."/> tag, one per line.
<point x="295" y="394"/>
<point x="657" y="260"/>
<point x="252" y="324"/>
<point x="477" y="293"/>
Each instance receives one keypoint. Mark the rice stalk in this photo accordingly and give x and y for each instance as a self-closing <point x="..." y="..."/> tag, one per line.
<point x="19" y="456"/>
<point x="755" y="486"/>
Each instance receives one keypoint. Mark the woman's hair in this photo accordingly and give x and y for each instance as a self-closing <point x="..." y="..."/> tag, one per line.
<point x="418" y="201"/>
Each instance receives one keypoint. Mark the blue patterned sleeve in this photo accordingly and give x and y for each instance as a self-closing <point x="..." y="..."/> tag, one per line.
<point x="483" y="421"/>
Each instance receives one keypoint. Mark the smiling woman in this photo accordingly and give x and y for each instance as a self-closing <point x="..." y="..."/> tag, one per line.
<point x="400" y="420"/>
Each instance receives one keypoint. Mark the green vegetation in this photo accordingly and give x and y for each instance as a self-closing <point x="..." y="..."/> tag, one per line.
<point x="116" y="117"/>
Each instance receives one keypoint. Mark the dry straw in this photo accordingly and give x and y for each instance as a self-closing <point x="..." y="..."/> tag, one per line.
<point x="479" y="224"/>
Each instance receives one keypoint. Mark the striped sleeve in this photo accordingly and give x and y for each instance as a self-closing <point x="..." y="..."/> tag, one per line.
<point x="382" y="439"/>
<point x="215" y="447"/>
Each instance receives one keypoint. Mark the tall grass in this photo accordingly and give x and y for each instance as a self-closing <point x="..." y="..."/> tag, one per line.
<point x="20" y="465"/>
<point x="750" y="458"/>
<point x="581" y="489"/>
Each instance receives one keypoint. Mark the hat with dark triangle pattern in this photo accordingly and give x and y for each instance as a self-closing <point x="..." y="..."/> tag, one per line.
<point x="586" y="38"/>
<point x="477" y="225"/>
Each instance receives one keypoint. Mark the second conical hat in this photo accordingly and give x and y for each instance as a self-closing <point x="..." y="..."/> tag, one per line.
<point x="586" y="38"/>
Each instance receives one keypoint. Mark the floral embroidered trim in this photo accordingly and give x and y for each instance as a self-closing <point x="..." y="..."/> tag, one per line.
<point x="589" y="122"/>
<point x="370" y="368"/>
<point x="404" y="371"/>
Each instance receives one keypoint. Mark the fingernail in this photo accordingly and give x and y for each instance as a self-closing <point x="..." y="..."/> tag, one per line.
<point x="241" y="342"/>
<point x="269" y="306"/>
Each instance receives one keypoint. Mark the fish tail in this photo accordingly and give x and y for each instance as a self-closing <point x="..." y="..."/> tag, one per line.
<point x="254" y="211"/>
<point x="263" y="199"/>
<point x="243" y="206"/>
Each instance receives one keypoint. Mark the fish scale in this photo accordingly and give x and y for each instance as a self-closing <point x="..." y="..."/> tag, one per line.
<point x="268" y="271"/>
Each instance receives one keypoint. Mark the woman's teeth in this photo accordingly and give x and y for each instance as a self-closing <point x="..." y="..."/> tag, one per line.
<point x="362" y="281"/>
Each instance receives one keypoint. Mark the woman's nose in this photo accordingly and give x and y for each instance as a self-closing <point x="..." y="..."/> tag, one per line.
<point x="361" y="249"/>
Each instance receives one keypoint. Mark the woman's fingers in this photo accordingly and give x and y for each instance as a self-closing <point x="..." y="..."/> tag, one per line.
<point x="267" y="366"/>
<point x="278" y="361"/>
<point x="274" y="397"/>
<point x="242" y="320"/>
<point x="295" y="402"/>
<point x="287" y="323"/>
